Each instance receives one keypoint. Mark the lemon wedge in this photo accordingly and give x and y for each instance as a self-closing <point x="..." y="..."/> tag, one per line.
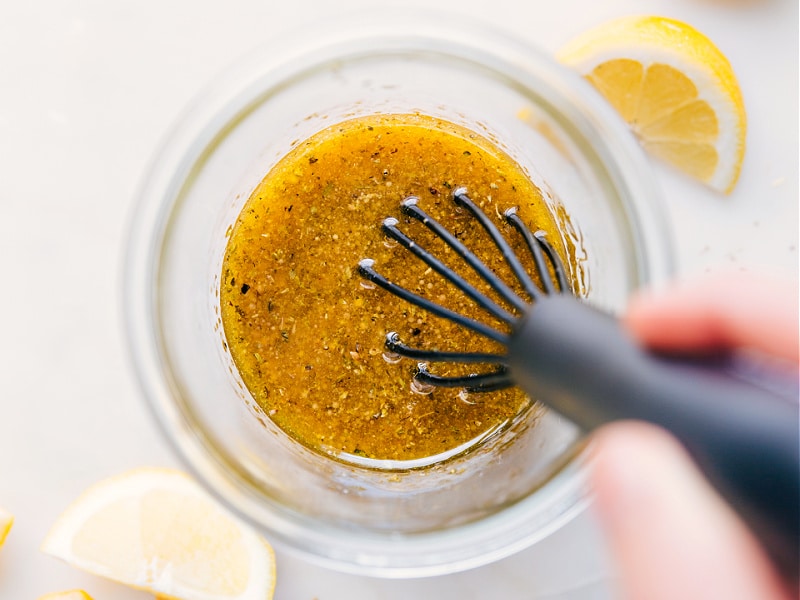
<point x="6" y="521"/>
<point x="157" y="530"/>
<point x="70" y="595"/>
<point x="674" y="87"/>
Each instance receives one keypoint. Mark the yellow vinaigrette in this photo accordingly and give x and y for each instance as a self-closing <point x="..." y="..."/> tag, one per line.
<point x="307" y="336"/>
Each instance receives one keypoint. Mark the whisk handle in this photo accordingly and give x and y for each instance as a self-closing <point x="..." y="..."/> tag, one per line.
<point x="742" y="431"/>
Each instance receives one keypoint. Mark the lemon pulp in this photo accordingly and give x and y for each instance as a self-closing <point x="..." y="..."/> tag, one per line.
<point x="674" y="87"/>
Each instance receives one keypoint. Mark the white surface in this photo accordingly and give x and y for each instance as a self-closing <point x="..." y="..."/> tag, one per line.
<point x="88" y="88"/>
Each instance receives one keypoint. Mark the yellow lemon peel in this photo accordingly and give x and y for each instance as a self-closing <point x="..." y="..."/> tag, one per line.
<point x="675" y="89"/>
<point x="157" y="530"/>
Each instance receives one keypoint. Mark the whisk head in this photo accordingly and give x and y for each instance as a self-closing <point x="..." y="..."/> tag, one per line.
<point x="550" y="275"/>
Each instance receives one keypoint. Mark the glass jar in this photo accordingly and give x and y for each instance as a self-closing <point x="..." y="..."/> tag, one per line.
<point x="395" y="518"/>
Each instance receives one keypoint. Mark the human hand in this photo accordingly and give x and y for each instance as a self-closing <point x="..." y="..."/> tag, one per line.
<point x="670" y="533"/>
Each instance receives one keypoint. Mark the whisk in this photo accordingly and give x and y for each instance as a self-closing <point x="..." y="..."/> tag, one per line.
<point x="741" y="428"/>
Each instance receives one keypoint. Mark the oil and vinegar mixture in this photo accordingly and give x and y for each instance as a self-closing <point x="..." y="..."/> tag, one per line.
<point x="304" y="330"/>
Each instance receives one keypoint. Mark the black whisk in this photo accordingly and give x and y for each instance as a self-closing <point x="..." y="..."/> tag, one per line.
<point x="742" y="429"/>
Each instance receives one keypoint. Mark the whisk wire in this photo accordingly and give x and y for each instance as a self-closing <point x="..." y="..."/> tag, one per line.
<point x="558" y="267"/>
<point x="546" y="262"/>
<point x="366" y="270"/>
<point x="393" y="344"/>
<point x="460" y="196"/>
<point x="389" y="227"/>
<point x="483" y="382"/>
<point x="410" y="208"/>
<point x="534" y="245"/>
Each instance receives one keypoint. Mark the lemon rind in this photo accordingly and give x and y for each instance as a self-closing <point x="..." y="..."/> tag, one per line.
<point x="686" y="50"/>
<point x="6" y="522"/>
<point x="67" y="595"/>
<point x="133" y="483"/>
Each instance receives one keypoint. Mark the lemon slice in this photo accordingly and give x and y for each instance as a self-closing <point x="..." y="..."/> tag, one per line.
<point x="157" y="530"/>
<point x="6" y="521"/>
<point x="70" y="595"/>
<point x="674" y="87"/>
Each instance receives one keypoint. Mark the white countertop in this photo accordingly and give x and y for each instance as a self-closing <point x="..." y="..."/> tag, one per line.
<point x="87" y="90"/>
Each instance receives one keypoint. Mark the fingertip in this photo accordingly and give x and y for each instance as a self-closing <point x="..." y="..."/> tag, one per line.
<point x="677" y="317"/>
<point x="724" y="310"/>
<point x="670" y="533"/>
<point x="624" y="457"/>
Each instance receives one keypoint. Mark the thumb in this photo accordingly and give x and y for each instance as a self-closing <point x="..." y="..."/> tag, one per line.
<point x="670" y="534"/>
